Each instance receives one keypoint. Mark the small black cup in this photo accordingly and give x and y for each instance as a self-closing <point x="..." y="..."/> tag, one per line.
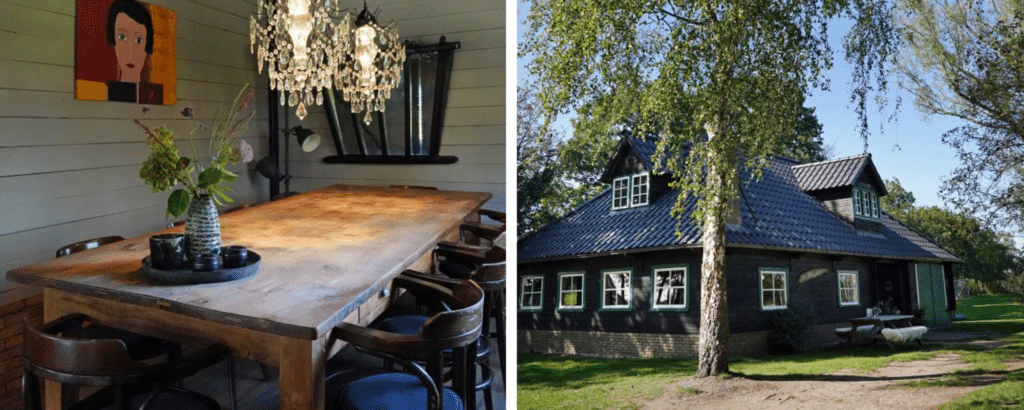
<point x="234" y="256"/>
<point x="167" y="251"/>
<point x="206" y="262"/>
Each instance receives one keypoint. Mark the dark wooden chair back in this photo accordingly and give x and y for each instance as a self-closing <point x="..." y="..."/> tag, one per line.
<point x="456" y="329"/>
<point x="69" y="359"/>
<point x="57" y="351"/>
<point x="87" y="244"/>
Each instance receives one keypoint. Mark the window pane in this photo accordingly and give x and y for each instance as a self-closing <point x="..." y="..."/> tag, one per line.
<point x="678" y="297"/>
<point x="766" y="299"/>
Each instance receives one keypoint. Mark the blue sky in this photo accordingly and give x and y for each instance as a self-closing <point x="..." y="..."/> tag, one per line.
<point x="908" y="148"/>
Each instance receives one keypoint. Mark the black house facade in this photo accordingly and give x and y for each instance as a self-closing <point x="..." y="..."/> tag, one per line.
<point x="620" y="277"/>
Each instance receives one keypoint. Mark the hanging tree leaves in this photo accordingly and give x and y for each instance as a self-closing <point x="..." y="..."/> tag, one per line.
<point x="965" y="59"/>
<point x="726" y="80"/>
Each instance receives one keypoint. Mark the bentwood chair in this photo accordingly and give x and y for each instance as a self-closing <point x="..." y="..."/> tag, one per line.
<point x="87" y="244"/>
<point x="486" y="266"/>
<point x="58" y="351"/>
<point x="410" y="324"/>
<point x="455" y="330"/>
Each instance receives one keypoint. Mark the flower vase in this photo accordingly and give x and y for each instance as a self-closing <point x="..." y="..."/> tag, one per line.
<point x="202" y="226"/>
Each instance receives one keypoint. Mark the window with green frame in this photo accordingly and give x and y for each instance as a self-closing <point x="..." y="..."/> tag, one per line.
<point x="617" y="289"/>
<point x="532" y="293"/>
<point x="849" y="292"/>
<point x="865" y="204"/>
<point x="570" y="291"/>
<point x="774" y="291"/>
<point x="669" y="287"/>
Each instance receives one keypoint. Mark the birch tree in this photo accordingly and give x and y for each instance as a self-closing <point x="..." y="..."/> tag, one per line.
<point x="724" y="79"/>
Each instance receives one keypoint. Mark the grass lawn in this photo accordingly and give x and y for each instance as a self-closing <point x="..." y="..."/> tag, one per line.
<point x="556" y="382"/>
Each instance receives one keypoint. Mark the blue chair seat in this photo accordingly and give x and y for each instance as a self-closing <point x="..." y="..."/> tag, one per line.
<point x="392" y="391"/>
<point x="406" y="325"/>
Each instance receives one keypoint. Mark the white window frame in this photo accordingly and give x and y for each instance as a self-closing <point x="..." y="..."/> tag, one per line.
<point x="644" y="184"/>
<point x="539" y="293"/>
<point x="562" y="292"/>
<point x="856" y="287"/>
<point x="784" y="274"/>
<point x="858" y="202"/>
<point x="865" y="204"/>
<point x="621" y="192"/>
<point x="624" y="187"/>
<point x="626" y="287"/>
<point x="684" y="288"/>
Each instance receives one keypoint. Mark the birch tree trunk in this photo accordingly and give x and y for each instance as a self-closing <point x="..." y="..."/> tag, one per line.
<point x="713" y="347"/>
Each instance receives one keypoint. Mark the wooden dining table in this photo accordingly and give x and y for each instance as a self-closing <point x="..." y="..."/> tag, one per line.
<point x="327" y="256"/>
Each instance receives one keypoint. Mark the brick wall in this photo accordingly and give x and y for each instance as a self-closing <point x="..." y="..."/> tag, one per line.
<point x="648" y="345"/>
<point x="10" y="347"/>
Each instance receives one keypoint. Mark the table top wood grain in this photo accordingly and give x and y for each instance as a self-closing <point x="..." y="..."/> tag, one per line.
<point x="324" y="253"/>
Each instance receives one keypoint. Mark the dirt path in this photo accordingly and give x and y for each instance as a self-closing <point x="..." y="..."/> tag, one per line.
<point x="877" y="389"/>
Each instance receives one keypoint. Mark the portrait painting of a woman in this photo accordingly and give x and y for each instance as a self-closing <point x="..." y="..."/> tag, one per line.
<point x="131" y="64"/>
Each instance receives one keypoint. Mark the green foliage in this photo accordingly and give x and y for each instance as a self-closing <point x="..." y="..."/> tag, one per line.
<point x="965" y="59"/>
<point x="537" y="169"/>
<point x="788" y="330"/>
<point x="166" y="168"/>
<point x="988" y="255"/>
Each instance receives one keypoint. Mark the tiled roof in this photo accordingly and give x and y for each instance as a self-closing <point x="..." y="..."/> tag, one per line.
<point x="777" y="213"/>
<point x="837" y="173"/>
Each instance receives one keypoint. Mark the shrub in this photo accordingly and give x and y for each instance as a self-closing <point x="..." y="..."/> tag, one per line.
<point x="918" y="319"/>
<point x="788" y="330"/>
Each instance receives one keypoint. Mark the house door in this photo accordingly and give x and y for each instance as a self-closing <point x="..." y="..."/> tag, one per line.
<point x="931" y="294"/>
<point x="891" y="283"/>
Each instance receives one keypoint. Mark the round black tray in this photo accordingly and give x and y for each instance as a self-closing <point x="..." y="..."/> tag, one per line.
<point x="252" y="264"/>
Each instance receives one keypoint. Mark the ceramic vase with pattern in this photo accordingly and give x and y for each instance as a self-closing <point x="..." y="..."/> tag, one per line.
<point x="202" y="226"/>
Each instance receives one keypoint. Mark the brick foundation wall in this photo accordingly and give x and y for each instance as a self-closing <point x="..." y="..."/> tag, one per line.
<point x="649" y="345"/>
<point x="10" y="347"/>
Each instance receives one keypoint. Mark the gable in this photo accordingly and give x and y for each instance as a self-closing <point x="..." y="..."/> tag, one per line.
<point x="632" y="155"/>
<point x="838" y="175"/>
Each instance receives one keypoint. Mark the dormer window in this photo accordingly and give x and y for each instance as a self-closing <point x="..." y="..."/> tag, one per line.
<point x="865" y="204"/>
<point x="640" y="190"/>
<point x="631" y="191"/>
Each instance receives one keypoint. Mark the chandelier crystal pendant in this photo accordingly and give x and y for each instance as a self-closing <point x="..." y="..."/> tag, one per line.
<point x="299" y="46"/>
<point x="371" y="64"/>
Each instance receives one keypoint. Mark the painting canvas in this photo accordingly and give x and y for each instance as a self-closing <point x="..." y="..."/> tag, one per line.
<point x="124" y="51"/>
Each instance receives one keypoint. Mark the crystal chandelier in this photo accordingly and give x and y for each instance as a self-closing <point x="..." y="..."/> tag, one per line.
<point x="371" y="64"/>
<point x="299" y="46"/>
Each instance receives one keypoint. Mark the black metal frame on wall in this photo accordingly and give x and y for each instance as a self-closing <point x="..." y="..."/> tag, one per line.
<point x="419" y="108"/>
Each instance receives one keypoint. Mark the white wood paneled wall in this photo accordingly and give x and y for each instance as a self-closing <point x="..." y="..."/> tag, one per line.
<point x="69" y="168"/>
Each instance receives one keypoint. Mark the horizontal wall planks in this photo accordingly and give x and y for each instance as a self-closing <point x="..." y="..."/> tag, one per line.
<point x="69" y="168"/>
<point x="477" y="97"/>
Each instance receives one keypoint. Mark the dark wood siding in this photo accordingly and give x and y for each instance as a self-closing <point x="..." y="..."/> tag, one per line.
<point x="659" y="186"/>
<point x="812" y="285"/>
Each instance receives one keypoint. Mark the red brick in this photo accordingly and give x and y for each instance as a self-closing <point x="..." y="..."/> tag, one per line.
<point x="11" y="400"/>
<point x="13" y="341"/>
<point x="10" y="331"/>
<point x="11" y="308"/>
